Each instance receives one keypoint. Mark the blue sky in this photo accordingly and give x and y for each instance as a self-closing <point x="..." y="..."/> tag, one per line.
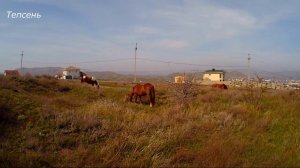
<point x="89" y="33"/>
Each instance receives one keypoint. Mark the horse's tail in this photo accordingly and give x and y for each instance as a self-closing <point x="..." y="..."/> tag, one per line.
<point x="152" y="95"/>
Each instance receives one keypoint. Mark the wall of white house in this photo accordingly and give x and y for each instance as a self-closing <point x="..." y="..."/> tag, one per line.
<point x="179" y="79"/>
<point x="74" y="73"/>
<point x="214" y="77"/>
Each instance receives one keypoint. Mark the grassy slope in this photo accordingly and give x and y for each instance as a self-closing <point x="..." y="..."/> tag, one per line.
<point x="46" y="122"/>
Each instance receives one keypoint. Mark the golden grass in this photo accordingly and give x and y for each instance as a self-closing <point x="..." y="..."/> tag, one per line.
<point x="68" y="124"/>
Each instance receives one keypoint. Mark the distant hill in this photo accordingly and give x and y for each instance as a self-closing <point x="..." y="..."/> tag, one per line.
<point x="285" y="75"/>
<point x="108" y="75"/>
<point x="234" y="75"/>
<point x="42" y="71"/>
<point x="113" y="76"/>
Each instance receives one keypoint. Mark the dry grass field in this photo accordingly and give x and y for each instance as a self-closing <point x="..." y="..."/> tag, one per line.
<point x="54" y="123"/>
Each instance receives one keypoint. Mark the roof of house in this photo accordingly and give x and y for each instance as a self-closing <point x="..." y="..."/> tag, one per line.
<point x="213" y="71"/>
<point x="12" y="72"/>
<point x="71" y="68"/>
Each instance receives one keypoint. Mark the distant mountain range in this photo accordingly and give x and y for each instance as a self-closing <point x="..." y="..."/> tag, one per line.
<point x="109" y="75"/>
<point x="286" y="75"/>
<point x="113" y="76"/>
<point x="42" y="71"/>
<point x="283" y="75"/>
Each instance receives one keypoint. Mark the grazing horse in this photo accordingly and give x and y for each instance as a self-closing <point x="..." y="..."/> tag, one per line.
<point x="140" y="90"/>
<point x="220" y="86"/>
<point x="89" y="80"/>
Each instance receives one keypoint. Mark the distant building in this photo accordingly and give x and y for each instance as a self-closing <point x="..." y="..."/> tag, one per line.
<point x="214" y="75"/>
<point x="179" y="79"/>
<point x="11" y="73"/>
<point x="71" y="72"/>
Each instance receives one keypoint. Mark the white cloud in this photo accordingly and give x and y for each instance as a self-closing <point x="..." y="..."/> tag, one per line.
<point x="205" y="21"/>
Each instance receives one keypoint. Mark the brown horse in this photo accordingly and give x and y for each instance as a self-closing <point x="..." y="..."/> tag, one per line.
<point x="142" y="90"/>
<point x="220" y="86"/>
<point x="89" y="80"/>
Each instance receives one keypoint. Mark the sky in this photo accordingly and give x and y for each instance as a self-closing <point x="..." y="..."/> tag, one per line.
<point x="172" y="35"/>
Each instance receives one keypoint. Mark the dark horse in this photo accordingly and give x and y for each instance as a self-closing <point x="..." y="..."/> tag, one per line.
<point x="89" y="80"/>
<point x="142" y="90"/>
<point x="220" y="86"/>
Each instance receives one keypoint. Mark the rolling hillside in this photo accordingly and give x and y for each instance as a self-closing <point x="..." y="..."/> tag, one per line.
<point x="55" y="123"/>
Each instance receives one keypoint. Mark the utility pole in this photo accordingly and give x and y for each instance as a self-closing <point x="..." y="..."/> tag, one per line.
<point x="22" y="54"/>
<point x="135" y="63"/>
<point x="249" y="73"/>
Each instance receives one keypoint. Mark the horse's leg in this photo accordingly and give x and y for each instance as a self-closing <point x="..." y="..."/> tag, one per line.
<point x="140" y="99"/>
<point x="96" y="83"/>
<point x="98" y="86"/>
<point x="150" y="99"/>
<point x="135" y="96"/>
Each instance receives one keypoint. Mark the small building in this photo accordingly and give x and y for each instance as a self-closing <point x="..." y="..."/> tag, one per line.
<point x="179" y="79"/>
<point x="214" y="75"/>
<point x="11" y="73"/>
<point x="71" y="72"/>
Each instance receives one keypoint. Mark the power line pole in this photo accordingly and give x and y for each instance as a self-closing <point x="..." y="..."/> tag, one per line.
<point x="135" y="62"/>
<point x="249" y="73"/>
<point x="22" y="54"/>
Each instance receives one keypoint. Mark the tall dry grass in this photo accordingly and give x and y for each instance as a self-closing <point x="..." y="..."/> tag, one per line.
<point x="67" y="124"/>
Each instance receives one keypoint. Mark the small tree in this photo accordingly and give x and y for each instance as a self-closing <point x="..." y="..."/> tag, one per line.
<point x="184" y="92"/>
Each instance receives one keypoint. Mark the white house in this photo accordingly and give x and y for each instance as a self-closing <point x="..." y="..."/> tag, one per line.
<point x="214" y="75"/>
<point x="71" y="72"/>
<point x="11" y="73"/>
<point x="179" y="79"/>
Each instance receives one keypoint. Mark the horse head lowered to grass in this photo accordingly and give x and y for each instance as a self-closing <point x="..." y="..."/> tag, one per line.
<point x="139" y="90"/>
